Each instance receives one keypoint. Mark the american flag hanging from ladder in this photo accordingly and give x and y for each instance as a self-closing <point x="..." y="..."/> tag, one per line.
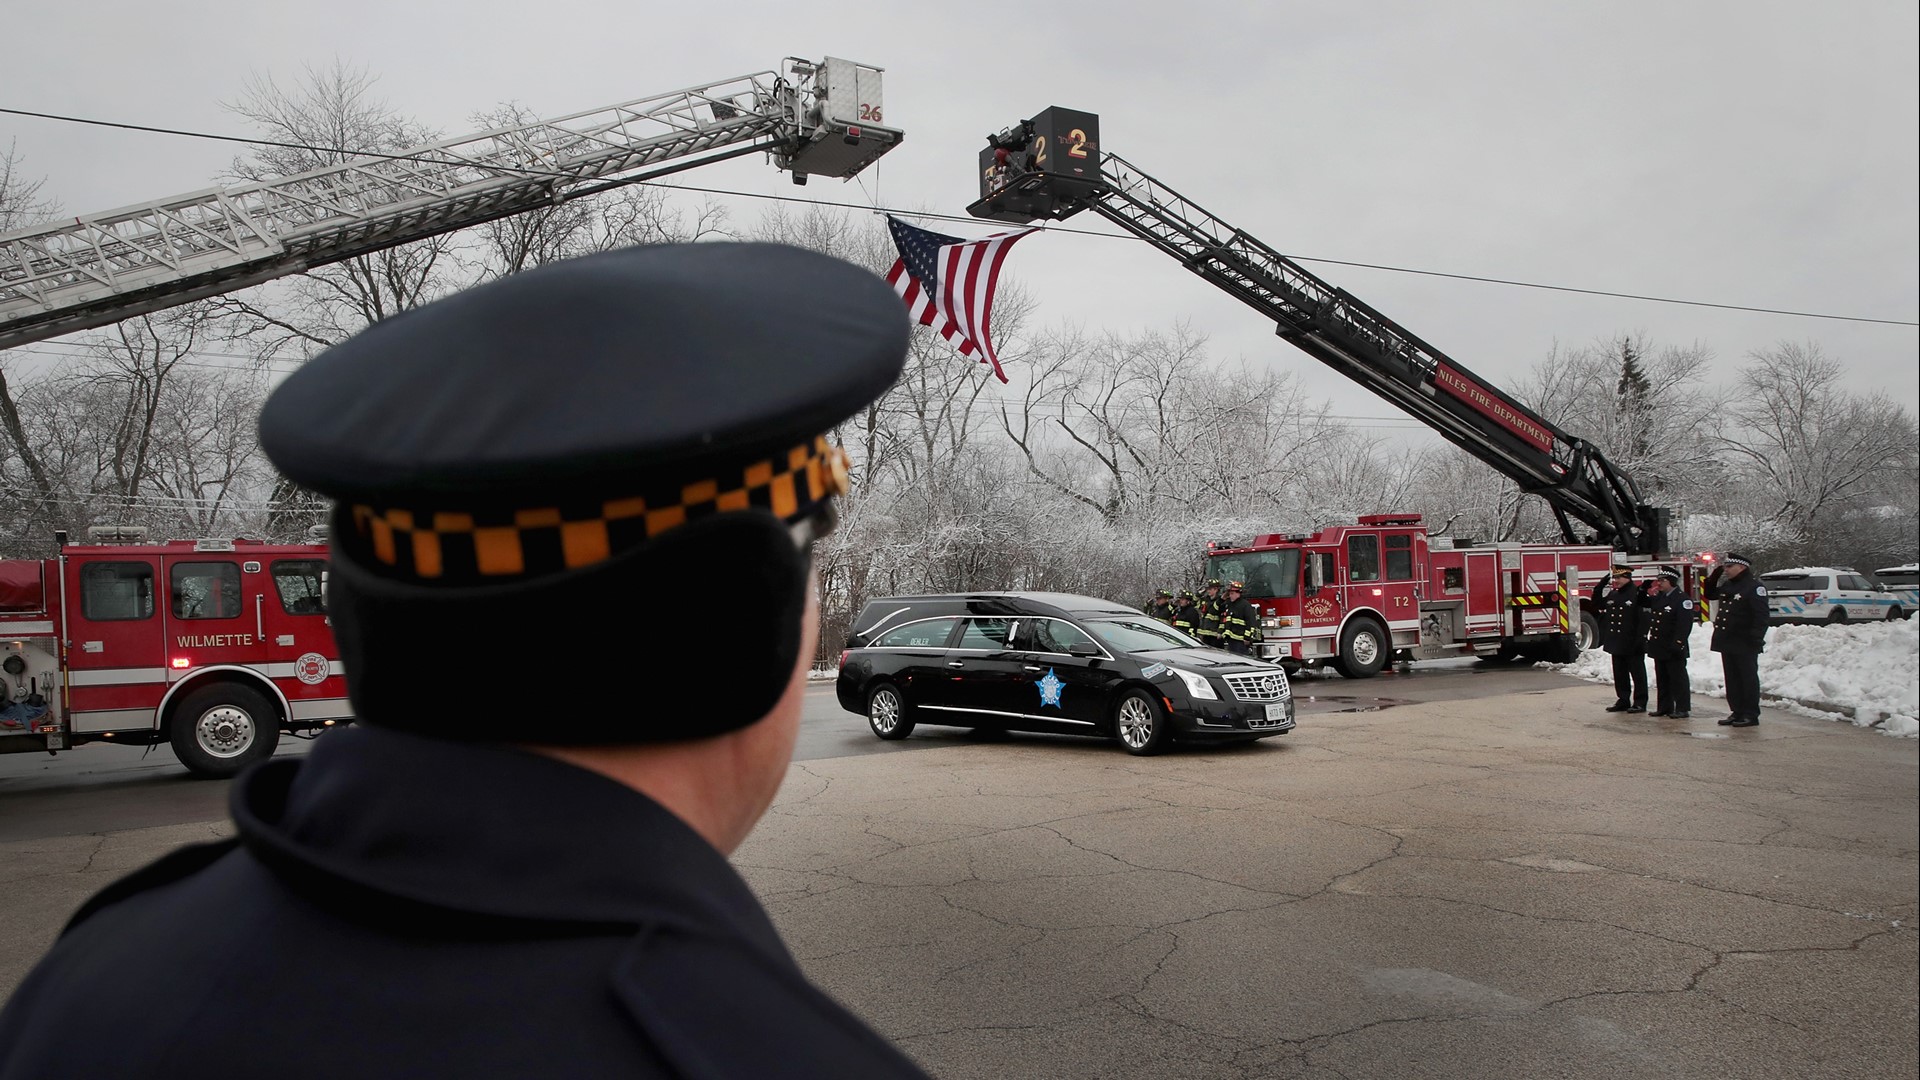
<point x="948" y="284"/>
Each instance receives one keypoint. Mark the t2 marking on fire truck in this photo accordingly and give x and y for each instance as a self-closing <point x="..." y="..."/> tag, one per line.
<point x="213" y="641"/>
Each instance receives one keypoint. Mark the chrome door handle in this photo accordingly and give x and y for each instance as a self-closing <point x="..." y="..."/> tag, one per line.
<point x="1030" y="667"/>
<point x="956" y="663"/>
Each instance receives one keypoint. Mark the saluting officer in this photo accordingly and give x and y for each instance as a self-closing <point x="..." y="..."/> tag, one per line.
<point x="1740" y="620"/>
<point x="1239" y="621"/>
<point x="462" y="887"/>
<point x="1211" y="605"/>
<point x="1186" y="617"/>
<point x="1623" y="632"/>
<point x="1162" y="606"/>
<point x="1670" y="619"/>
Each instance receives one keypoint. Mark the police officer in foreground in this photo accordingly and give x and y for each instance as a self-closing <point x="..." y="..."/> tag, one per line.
<point x="1740" y="619"/>
<point x="466" y="885"/>
<point x="1670" y="619"/>
<point x="1239" y="621"/>
<point x="1211" y="605"/>
<point x="1623" y="633"/>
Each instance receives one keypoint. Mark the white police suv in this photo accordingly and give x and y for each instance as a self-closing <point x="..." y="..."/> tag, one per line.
<point x="1904" y="582"/>
<point x="1828" y="594"/>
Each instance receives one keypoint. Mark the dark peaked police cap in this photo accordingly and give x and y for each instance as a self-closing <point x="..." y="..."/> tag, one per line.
<point x="518" y="467"/>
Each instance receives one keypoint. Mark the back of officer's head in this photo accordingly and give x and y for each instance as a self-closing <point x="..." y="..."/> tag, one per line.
<point x="520" y="468"/>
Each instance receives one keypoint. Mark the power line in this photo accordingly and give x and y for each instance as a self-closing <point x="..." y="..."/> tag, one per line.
<point x="424" y="159"/>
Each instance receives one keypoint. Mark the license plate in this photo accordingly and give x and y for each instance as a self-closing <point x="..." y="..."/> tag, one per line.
<point x="1277" y="713"/>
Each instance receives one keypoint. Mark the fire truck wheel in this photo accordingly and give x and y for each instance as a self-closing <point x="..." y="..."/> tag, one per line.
<point x="1363" y="649"/>
<point x="1139" y="724"/>
<point x="1589" y="631"/>
<point x="220" y="729"/>
<point x="887" y="714"/>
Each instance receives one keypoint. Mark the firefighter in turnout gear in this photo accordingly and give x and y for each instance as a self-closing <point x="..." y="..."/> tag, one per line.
<point x="1211" y="605"/>
<point x="1162" y="606"/>
<point x="1623" y="632"/>
<point x="1186" y="615"/>
<point x="1670" y="619"/>
<point x="1739" y="635"/>
<point x="1239" y="621"/>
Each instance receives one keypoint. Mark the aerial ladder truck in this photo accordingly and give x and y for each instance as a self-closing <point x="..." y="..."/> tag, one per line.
<point x="814" y="118"/>
<point x="1331" y="597"/>
<point x="219" y="646"/>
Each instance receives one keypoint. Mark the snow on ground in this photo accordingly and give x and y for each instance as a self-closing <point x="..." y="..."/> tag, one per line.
<point x="1868" y="673"/>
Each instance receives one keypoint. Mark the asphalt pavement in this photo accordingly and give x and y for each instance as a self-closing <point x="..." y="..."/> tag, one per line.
<point x="1467" y="873"/>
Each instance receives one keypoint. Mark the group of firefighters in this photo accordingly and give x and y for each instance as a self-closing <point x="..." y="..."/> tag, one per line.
<point x="1219" y="616"/>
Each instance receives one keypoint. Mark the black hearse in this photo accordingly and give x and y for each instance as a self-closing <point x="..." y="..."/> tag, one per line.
<point x="1052" y="662"/>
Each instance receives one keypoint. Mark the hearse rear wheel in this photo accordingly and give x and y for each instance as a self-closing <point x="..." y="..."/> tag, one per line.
<point x="887" y="713"/>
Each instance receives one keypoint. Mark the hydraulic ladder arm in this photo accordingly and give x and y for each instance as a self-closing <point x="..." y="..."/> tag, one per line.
<point x="1059" y="170"/>
<point x="817" y="118"/>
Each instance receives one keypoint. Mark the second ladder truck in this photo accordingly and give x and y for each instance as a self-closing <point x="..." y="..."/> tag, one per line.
<point x="1359" y="596"/>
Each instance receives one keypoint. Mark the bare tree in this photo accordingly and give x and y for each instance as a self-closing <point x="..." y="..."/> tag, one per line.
<point x="621" y="217"/>
<point x="1810" y="449"/>
<point x="22" y="205"/>
<point x="1125" y="424"/>
<point x="328" y="119"/>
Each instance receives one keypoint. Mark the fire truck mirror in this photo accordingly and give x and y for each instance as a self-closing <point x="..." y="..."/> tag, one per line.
<point x="1316" y="574"/>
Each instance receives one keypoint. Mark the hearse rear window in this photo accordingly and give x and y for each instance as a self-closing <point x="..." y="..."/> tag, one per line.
<point x="928" y="633"/>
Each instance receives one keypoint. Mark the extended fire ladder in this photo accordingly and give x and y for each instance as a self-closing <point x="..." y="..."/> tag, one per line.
<point x="1056" y="169"/>
<point x="816" y="118"/>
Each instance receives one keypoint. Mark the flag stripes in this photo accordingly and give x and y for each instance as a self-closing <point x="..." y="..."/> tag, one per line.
<point x="948" y="284"/>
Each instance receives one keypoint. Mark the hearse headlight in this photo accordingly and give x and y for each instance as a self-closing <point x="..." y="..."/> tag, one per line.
<point x="1198" y="687"/>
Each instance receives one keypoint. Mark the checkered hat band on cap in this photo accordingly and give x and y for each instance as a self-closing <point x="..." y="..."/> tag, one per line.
<point x="461" y="547"/>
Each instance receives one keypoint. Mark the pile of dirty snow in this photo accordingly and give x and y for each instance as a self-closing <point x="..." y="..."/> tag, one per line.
<point x="1868" y="673"/>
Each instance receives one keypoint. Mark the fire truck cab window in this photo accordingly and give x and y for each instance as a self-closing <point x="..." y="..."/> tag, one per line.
<point x="206" y="590"/>
<point x="1400" y="558"/>
<point x="1363" y="558"/>
<point x="1265" y="573"/>
<point x="1325" y="560"/>
<point x="111" y="591"/>
<point x="302" y="586"/>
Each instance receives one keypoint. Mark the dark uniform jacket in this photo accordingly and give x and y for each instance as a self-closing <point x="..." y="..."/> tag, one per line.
<point x="1163" y="610"/>
<point x="403" y="907"/>
<point x="1623" y="618"/>
<point x="1239" y="620"/>
<point x="1670" y="620"/>
<point x="1740" y="619"/>
<point x="1186" y="618"/>
<point x="1210" y="609"/>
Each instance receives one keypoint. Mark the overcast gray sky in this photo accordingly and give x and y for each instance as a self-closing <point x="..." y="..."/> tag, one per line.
<point x="1733" y="151"/>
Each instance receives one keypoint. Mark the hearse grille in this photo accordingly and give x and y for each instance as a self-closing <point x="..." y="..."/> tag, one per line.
<point x="1258" y="686"/>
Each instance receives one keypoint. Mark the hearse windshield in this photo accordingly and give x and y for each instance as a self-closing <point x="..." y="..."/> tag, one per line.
<point x="1139" y="634"/>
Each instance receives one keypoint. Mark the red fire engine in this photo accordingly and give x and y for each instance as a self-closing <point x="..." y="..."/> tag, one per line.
<point x="219" y="646"/>
<point x="1359" y="596"/>
<point x="214" y="646"/>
